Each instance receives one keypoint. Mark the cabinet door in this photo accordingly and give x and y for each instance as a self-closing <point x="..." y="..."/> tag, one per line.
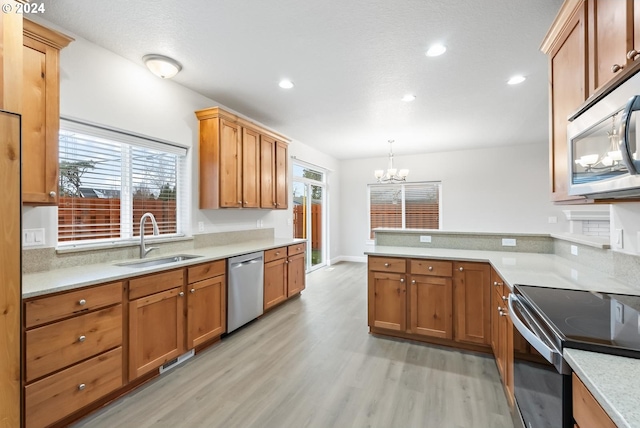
<point x="267" y="172"/>
<point x="250" y="168"/>
<point x="275" y="282"/>
<point x="230" y="165"/>
<point x="281" y="190"/>
<point x="387" y="301"/>
<point x="498" y="332"/>
<point x="295" y="274"/>
<point x="431" y="306"/>
<point x="568" y="91"/>
<point x="156" y="331"/>
<point x="40" y="97"/>
<point x="206" y="310"/>
<point x="610" y="38"/>
<point x="472" y="300"/>
<point x="11" y="62"/>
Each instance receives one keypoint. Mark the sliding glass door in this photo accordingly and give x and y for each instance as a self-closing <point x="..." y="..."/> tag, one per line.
<point x="309" y="201"/>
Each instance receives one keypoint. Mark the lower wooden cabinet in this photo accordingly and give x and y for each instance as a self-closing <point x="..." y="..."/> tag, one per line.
<point x="587" y="412"/>
<point x="284" y="274"/>
<point x="206" y="303"/>
<point x="472" y="301"/>
<point x="156" y="321"/>
<point x="387" y="301"/>
<point x="431" y="308"/>
<point x="295" y="274"/>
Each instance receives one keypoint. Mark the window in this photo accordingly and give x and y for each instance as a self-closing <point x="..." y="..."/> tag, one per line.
<point x="404" y="206"/>
<point x="109" y="179"/>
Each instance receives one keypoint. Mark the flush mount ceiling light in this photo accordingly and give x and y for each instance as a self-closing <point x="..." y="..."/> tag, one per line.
<point x="286" y="84"/>
<point x="391" y="175"/>
<point x="408" y="98"/>
<point x="516" y="79"/>
<point x="162" y="66"/>
<point x="436" y="50"/>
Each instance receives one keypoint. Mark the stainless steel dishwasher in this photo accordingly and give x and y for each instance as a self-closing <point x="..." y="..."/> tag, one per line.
<point x="245" y="289"/>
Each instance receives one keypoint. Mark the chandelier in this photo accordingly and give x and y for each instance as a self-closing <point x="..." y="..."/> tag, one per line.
<point x="392" y="174"/>
<point x="611" y="160"/>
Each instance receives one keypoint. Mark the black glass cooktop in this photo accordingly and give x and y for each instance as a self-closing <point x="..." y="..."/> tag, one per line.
<point x="601" y="322"/>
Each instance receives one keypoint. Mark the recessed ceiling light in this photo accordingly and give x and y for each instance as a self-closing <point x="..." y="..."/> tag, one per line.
<point x="285" y="84"/>
<point x="436" y="50"/>
<point x="408" y="98"/>
<point x="516" y="79"/>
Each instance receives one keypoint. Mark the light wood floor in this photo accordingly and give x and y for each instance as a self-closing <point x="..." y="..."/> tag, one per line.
<point x="312" y="363"/>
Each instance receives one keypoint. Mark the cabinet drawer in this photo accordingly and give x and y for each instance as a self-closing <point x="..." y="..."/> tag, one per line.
<point x="431" y="267"/>
<point x="275" y="254"/>
<point x="48" y="309"/>
<point x="61" y="344"/>
<point x="61" y="394"/>
<point x="387" y="264"/>
<point x="296" y="249"/>
<point x="151" y="284"/>
<point x="206" y="271"/>
<point x="587" y="412"/>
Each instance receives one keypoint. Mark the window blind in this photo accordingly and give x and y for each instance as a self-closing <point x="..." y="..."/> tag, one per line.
<point x="109" y="179"/>
<point x="404" y="206"/>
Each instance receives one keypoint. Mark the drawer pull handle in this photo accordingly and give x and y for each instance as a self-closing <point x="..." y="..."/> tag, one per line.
<point x="82" y="338"/>
<point x="82" y="302"/>
<point x="81" y="387"/>
<point x="430" y="268"/>
<point x="386" y="265"/>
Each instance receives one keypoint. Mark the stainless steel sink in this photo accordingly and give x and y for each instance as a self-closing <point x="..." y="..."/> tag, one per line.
<point x="157" y="262"/>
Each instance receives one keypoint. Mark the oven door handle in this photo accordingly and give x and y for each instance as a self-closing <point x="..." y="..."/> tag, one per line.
<point x="544" y="350"/>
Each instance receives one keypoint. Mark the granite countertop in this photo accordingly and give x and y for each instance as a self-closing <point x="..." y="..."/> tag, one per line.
<point x="543" y="270"/>
<point x="52" y="281"/>
<point x="612" y="380"/>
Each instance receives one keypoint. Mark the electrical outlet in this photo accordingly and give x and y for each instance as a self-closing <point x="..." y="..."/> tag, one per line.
<point x="508" y="242"/>
<point x="201" y="226"/>
<point x="553" y="219"/>
<point x="574" y="250"/>
<point x="425" y="238"/>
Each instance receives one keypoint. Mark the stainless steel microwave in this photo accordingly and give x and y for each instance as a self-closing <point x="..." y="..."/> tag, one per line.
<point x="604" y="147"/>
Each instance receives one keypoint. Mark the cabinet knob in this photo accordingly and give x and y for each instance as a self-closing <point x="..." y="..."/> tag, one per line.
<point x="413" y="281"/>
<point x="82" y="302"/>
<point x="616" y="67"/>
<point x="193" y="290"/>
<point x="504" y="298"/>
<point x="503" y="314"/>
<point x="277" y="253"/>
<point x="82" y="338"/>
<point x="386" y="265"/>
<point x="240" y="202"/>
<point x="401" y="279"/>
<point x="499" y="309"/>
<point x="460" y="268"/>
<point x="81" y="387"/>
<point x="286" y="261"/>
<point x="52" y="194"/>
<point x="181" y="293"/>
<point x="274" y="204"/>
<point x="430" y="268"/>
<point x="633" y="55"/>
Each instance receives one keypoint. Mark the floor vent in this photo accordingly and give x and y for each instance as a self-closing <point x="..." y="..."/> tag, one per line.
<point x="176" y="361"/>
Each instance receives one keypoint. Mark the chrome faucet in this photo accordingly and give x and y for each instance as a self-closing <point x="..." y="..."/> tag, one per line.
<point x="143" y="250"/>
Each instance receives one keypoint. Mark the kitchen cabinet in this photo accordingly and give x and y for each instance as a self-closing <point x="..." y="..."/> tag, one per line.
<point x="430" y="297"/>
<point x="565" y="45"/>
<point x="232" y="153"/>
<point x="73" y="351"/>
<point x="295" y="269"/>
<point x="11" y="59"/>
<point x="587" y="412"/>
<point x="206" y="302"/>
<point x="156" y="321"/>
<point x="613" y="39"/>
<point x="472" y="301"/>
<point x="275" y="277"/>
<point x="502" y="333"/>
<point x="387" y="293"/>
<point x="41" y="98"/>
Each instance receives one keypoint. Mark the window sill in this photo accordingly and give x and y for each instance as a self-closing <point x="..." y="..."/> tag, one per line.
<point x="77" y="248"/>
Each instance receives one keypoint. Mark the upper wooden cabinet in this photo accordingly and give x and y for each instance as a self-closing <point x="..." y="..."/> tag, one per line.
<point x="41" y="118"/>
<point x="11" y="60"/>
<point x="242" y="165"/>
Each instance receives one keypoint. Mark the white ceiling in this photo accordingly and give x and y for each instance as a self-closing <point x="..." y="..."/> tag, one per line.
<point x="351" y="62"/>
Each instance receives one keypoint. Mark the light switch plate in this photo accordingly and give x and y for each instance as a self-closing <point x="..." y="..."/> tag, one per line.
<point x="508" y="242"/>
<point x="32" y="237"/>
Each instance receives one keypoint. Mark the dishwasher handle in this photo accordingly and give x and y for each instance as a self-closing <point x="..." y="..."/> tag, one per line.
<point x="246" y="262"/>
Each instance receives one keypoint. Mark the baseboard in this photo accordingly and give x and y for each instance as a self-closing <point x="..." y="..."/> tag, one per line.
<point x="348" y="259"/>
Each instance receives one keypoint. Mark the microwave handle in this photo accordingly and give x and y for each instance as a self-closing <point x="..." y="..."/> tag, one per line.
<point x="544" y="350"/>
<point x="625" y="126"/>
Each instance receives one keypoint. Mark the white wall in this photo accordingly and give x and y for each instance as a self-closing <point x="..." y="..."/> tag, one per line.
<point x="99" y="86"/>
<point x="626" y="216"/>
<point x="502" y="189"/>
